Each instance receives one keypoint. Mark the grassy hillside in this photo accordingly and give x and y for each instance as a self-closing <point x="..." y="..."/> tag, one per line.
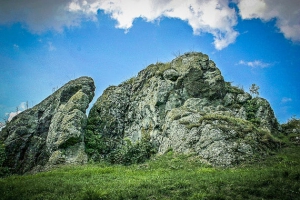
<point x="169" y="176"/>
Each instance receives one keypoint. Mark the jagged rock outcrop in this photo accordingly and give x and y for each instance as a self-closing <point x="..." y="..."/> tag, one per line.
<point x="51" y="132"/>
<point x="186" y="106"/>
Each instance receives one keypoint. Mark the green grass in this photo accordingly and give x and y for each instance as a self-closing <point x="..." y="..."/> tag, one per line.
<point x="169" y="176"/>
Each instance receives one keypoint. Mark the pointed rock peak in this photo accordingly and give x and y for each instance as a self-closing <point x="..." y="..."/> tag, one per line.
<point x="51" y="132"/>
<point x="184" y="105"/>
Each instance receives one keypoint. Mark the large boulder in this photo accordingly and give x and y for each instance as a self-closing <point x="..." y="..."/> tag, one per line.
<point x="186" y="106"/>
<point x="51" y="132"/>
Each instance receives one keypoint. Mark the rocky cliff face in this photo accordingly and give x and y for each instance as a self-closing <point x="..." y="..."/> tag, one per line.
<point x="186" y="106"/>
<point x="52" y="132"/>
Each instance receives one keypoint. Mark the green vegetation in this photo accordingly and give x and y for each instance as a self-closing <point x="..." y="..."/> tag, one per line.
<point x="233" y="89"/>
<point x="241" y="126"/>
<point x="170" y="176"/>
<point x="251" y="110"/>
<point x="292" y="124"/>
<point x="156" y="69"/>
<point x="2" y="153"/>
<point x="70" y="142"/>
<point x="3" y="170"/>
<point x="254" y="89"/>
<point x="129" y="81"/>
<point x="291" y="131"/>
<point x="129" y="153"/>
<point x="118" y="151"/>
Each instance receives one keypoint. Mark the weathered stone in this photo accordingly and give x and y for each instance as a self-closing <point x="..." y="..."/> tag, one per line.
<point x="184" y="105"/>
<point x="229" y="99"/>
<point x="242" y="98"/>
<point x="266" y="115"/>
<point x="171" y="74"/>
<point x="51" y="132"/>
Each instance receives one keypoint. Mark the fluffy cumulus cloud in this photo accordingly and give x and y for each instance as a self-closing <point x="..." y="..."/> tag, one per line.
<point x="11" y="115"/>
<point x="23" y="106"/>
<point x="255" y="63"/>
<point x="213" y="16"/>
<point x="286" y="13"/>
<point x="286" y="100"/>
<point x="208" y="16"/>
<point x="38" y="15"/>
<point x="204" y="16"/>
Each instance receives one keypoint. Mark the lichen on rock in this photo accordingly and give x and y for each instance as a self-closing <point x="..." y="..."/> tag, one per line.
<point x="51" y="132"/>
<point x="186" y="106"/>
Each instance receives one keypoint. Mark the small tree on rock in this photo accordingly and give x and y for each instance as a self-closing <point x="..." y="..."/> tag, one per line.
<point x="254" y="89"/>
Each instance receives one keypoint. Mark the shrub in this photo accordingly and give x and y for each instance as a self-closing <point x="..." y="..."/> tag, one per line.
<point x="251" y="109"/>
<point x="129" y="153"/>
<point x="97" y="146"/>
<point x="293" y="123"/>
<point x="118" y="151"/>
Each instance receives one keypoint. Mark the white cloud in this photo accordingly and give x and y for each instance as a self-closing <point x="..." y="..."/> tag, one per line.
<point x="51" y="47"/>
<point x="16" y="47"/>
<point x="37" y="15"/>
<point x="23" y="106"/>
<point x="12" y="115"/>
<point x="287" y="14"/>
<point x="285" y="100"/>
<point x="204" y="16"/>
<point x="214" y="16"/>
<point x="255" y="63"/>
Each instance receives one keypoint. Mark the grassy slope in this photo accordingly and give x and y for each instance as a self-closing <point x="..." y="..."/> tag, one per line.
<point x="166" y="177"/>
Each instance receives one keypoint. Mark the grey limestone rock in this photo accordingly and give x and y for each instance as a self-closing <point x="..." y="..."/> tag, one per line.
<point x="229" y="99"/>
<point x="242" y="98"/>
<point x="184" y="105"/>
<point x="51" y="132"/>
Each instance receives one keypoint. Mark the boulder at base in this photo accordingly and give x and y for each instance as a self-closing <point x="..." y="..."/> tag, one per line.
<point x="51" y="132"/>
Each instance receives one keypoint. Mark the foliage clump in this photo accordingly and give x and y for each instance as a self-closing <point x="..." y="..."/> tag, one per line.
<point x="2" y="154"/>
<point x="254" y="89"/>
<point x="233" y="89"/>
<point x="251" y="109"/>
<point x="293" y="124"/>
<point x="3" y="170"/>
<point x="291" y="131"/>
<point x="119" y="151"/>
<point x="129" y="153"/>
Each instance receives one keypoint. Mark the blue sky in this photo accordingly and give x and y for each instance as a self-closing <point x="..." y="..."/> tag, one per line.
<point x="44" y="45"/>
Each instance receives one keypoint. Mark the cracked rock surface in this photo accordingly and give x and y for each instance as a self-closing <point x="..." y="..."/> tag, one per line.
<point x="51" y="132"/>
<point x="185" y="105"/>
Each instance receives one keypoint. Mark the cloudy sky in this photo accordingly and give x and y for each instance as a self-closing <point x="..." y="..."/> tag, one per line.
<point x="44" y="44"/>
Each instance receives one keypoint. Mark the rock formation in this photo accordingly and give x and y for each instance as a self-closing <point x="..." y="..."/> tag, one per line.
<point x="51" y="132"/>
<point x="185" y="106"/>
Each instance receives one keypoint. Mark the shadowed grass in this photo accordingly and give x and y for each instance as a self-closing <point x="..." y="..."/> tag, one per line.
<point x="170" y="176"/>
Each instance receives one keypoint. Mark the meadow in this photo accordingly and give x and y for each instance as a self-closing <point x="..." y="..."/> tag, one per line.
<point x="170" y="176"/>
